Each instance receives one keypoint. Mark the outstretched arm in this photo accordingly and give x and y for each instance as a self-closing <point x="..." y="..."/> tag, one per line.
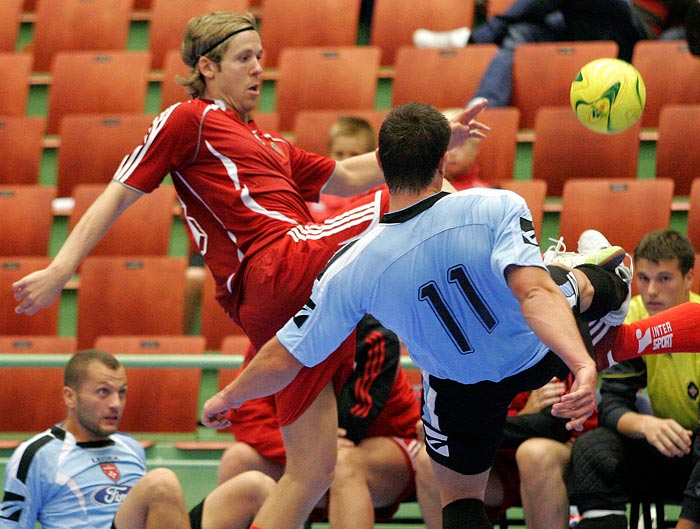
<point x="271" y="370"/>
<point x="39" y="289"/>
<point x="359" y="173"/>
<point x="547" y="312"/>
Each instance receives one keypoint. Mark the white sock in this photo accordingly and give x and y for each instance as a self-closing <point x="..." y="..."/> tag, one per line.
<point x="597" y="513"/>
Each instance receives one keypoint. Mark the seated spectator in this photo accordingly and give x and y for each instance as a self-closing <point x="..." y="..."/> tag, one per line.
<point x="84" y="473"/>
<point x="347" y="137"/>
<point x="616" y="460"/>
<point x="377" y="440"/>
<point x="625" y="22"/>
<point x="461" y="169"/>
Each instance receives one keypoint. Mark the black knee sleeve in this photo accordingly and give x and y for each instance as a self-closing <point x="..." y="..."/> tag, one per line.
<point x="596" y="480"/>
<point x="196" y="515"/>
<point x="567" y="283"/>
<point x="610" y="291"/>
<point x="467" y="512"/>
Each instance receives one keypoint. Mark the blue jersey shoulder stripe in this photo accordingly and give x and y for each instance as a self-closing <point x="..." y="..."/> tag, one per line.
<point x="28" y="456"/>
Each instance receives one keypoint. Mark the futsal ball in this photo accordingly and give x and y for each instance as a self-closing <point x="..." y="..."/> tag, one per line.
<point x="608" y="95"/>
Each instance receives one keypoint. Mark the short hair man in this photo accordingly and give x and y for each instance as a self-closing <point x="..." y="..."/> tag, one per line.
<point x="84" y="473"/>
<point x="615" y="460"/>
<point x="437" y="265"/>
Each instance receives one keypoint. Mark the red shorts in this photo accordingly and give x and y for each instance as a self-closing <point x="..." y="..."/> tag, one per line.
<point x="278" y="281"/>
<point x="507" y="470"/>
<point x="255" y="423"/>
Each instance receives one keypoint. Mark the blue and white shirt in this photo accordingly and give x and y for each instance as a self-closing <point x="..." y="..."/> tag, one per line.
<point x="60" y="483"/>
<point x="434" y="274"/>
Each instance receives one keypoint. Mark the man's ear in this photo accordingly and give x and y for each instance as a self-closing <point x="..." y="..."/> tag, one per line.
<point x="206" y="67"/>
<point x="69" y="397"/>
<point x="443" y="164"/>
<point x="379" y="162"/>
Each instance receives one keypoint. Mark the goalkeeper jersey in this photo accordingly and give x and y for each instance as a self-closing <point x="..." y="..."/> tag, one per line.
<point x="60" y="483"/>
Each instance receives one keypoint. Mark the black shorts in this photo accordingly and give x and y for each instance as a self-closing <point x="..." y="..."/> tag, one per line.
<point x="196" y="515"/>
<point x="464" y="422"/>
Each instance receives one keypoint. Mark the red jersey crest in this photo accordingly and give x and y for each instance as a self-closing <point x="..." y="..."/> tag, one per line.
<point x="111" y="471"/>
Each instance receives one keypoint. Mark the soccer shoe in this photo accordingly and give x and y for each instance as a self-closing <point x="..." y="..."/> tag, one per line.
<point x="457" y="38"/>
<point x="608" y="258"/>
<point x="592" y="240"/>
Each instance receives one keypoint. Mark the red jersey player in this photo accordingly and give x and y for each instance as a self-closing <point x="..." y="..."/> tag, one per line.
<point x="243" y="193"/>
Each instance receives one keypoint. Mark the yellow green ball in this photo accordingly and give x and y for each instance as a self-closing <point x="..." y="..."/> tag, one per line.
<point x="608" y="95"/>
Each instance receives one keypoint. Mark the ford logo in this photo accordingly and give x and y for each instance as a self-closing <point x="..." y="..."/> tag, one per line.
<point x="110" y="494"/>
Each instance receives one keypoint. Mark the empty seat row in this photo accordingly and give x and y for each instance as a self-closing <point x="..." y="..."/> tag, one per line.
<point x="117" y="295"/>
<point x="58" y="24"/>
<point x="150" y="388"/>
<point x="347" y="77"/>
<point x="27" y="215"/>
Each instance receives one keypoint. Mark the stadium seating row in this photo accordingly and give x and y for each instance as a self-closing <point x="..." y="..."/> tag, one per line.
<point x="347" y="78"/>
<point x="92" y="145"/>
<point x="117" y="294"/>
<point x="128" y="288"/>
<point x="150" y="388"/>
<point x="283" y="23"/>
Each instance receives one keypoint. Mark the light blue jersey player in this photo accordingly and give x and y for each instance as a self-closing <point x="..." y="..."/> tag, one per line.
<point x="421" y="273"/>
<point x="61" y="483"/>
<point x="460" y="278"/>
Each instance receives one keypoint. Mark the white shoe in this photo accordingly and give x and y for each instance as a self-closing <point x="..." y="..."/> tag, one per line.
<point x="608" y="257"/>
<point x="456" y="38"/>
<point x="592" y="240"/>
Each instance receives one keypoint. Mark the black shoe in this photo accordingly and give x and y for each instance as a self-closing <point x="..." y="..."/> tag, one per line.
<point x="610" y="521"/>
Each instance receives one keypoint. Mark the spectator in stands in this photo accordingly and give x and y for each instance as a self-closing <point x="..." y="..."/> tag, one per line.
<point x="461" y="169"/>
<point x="348" y="136"/>
<point x="622" y="21"/>
<point x="377" y="440"/>
<point x="84" y="473"/>
<point x="640" y="453"/>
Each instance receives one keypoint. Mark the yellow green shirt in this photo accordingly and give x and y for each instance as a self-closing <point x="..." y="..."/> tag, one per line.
<point x="673" y="380"/>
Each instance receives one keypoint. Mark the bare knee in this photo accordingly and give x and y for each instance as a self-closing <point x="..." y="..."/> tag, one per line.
<point x="252" y="487"/>
<point x="159" y="486"/>
<point x="350" y="465"/>
<point x="542" y="457"/>
<point x="242" y="457"/>
<point x="317" y="477"/>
